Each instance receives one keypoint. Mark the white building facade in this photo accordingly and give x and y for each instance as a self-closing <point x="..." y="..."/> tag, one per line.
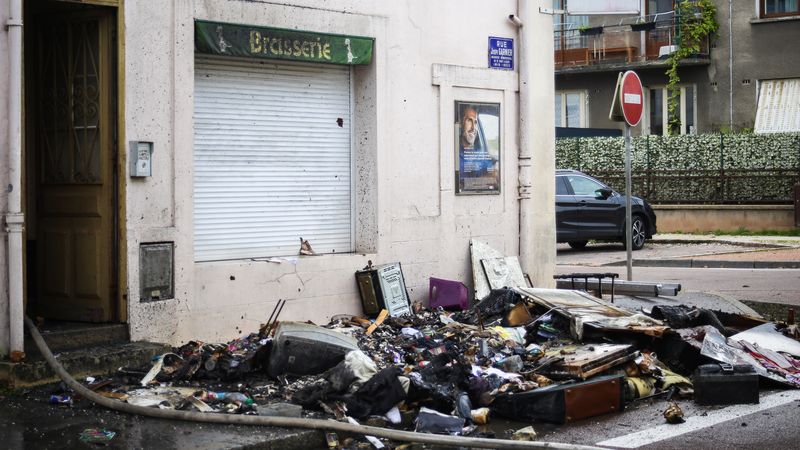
<point x="168" y="157"/>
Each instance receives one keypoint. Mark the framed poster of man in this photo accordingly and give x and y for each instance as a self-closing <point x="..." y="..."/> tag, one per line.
<point x="477" y="157"/>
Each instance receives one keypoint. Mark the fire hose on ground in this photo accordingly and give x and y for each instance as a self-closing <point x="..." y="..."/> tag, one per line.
<point x="289" y="422"/>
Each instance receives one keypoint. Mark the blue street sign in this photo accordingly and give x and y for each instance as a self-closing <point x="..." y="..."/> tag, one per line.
<point x="501" y="53"/>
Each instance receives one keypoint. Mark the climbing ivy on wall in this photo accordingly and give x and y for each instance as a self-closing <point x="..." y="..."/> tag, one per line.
<point x="696" y="22"/>
<point x="706" y="168"/>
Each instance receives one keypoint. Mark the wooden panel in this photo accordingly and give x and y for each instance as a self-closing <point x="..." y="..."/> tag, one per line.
<point x="87" y="257"/>
<point x="71" y="205"/>
<point x="586" y="361"/>
<point x="56" y="257"/>
<point x="572" y="56"/>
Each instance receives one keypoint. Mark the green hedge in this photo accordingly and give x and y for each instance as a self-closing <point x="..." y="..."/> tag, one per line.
<point x="706" y="168"/>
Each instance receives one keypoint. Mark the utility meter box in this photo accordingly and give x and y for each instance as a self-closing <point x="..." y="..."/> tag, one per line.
<point x="156" y="279"/>
<point x="141" y="155"/>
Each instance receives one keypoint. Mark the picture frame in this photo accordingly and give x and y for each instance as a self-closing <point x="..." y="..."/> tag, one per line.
<point x="477" y="147"/>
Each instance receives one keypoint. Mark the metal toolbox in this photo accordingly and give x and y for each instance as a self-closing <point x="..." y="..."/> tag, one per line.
<point x="725" y="384"/>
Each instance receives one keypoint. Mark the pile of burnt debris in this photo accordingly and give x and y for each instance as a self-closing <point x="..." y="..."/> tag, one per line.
<point x="526" y="354"/>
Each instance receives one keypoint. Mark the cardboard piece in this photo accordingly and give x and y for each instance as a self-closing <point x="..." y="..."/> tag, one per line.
<point x="478" y="251"/>
<point x="504" y="272"/>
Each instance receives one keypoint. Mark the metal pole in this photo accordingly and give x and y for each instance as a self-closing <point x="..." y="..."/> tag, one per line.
<point x="524" y="158"/>
<point x="15" y="219"/>
<point x="730" y="63"/>
<point x="628" y="221"/>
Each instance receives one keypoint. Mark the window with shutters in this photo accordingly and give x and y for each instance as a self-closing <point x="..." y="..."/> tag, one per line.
<point x="778" y="106"/>
<point x="272" y="158"/>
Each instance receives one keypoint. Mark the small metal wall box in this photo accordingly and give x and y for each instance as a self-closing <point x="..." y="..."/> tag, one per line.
<point x="141" y="153"/>
<point x="156" y="279"/>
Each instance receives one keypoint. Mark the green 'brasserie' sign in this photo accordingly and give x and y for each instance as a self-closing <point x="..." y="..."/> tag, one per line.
<point x="258" y="42"/>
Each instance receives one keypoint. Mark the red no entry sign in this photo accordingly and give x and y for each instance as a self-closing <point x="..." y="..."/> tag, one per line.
<point x="631" y="97"/>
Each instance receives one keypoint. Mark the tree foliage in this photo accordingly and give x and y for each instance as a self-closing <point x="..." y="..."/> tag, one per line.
<point x="696" y="22"/>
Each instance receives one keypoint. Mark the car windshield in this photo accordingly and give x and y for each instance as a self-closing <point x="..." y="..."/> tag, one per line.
<point x="583" y="185"/>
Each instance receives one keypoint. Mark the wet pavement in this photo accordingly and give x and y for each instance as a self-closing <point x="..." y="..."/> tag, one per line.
<point x="28" y="421"/>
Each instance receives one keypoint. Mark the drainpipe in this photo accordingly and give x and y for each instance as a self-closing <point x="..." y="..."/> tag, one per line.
<point x="730" y="63"/>
<point x="537" y="240"/>
<point x="15" y="220"/>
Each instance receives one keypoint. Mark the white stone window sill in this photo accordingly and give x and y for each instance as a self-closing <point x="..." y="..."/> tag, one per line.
<point x="775" y="19"/>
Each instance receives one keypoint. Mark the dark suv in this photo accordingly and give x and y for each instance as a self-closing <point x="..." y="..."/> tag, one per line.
<point x="588" y="209"/>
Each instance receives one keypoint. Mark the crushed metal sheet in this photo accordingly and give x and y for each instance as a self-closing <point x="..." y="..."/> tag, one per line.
<point x="718" y="348"/>
<point x="767" y="337"/>
<point x="584" y="310"/>
<point x="504" y="272"/>
<point x="694" y="336"/>
<point x="479" y="250"/>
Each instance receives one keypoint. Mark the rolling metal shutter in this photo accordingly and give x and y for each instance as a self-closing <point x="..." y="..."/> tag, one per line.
<point x="778" y="106"/>
<point x="272" y="158"/>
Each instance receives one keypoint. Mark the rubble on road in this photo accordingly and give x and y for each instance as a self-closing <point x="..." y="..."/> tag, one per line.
<point x="522" y="353"/>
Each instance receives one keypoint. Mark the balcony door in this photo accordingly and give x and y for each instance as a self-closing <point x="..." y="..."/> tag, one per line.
<point x="659" y="119"/>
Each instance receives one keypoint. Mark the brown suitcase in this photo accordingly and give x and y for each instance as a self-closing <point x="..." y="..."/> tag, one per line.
<point x="564" y="402"/>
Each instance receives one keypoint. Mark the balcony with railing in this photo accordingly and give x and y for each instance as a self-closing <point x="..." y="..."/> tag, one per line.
<point x="630" y="42"/>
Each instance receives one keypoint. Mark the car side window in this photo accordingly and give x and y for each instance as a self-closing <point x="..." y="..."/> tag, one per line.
<point x="583" y="186"/>
<point x="561" y="186"/>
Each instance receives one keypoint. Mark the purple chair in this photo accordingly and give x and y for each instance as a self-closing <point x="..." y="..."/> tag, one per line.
<point x="448" y="294"/>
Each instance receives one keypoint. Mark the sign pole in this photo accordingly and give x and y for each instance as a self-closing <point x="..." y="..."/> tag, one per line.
<point x="628" y="221"/>
<point x="627" y="106"/>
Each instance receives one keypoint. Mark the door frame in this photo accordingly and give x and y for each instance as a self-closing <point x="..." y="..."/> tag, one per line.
<point x="121" y="248"/>
<point x="119" y="234"/>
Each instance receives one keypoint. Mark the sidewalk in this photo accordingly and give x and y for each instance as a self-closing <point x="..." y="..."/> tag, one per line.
<point x="749" y="241"/>
<point x="757" y="252"/>
<point x="688" y="250"/>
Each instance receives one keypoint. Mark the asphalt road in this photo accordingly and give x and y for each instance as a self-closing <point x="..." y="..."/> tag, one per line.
<point x="772" y="424"/>
<point x="756" y="285"/>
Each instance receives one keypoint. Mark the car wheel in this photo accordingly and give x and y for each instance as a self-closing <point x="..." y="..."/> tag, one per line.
<point x="577" y="245"/>
<point x="638" y="234"/>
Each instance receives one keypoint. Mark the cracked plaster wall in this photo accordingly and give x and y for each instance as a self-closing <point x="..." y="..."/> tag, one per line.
<point x="406" y="207"/>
